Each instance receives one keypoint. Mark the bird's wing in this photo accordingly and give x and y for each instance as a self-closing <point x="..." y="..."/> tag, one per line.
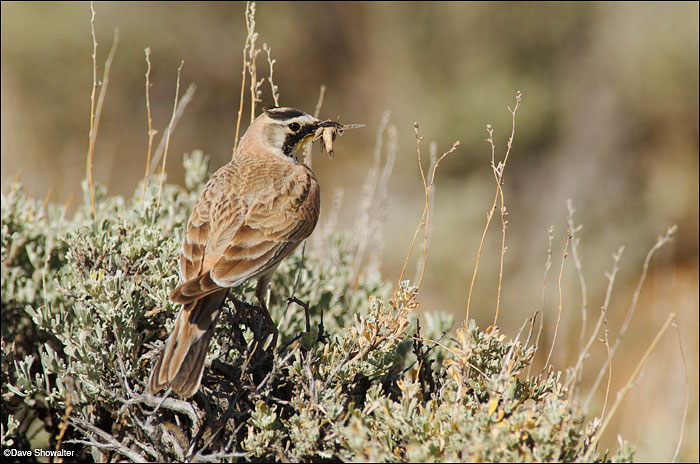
<point x="234" y="237"/>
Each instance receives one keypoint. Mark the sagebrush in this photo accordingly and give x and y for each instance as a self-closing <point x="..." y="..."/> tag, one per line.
<point x="85" y="309"/>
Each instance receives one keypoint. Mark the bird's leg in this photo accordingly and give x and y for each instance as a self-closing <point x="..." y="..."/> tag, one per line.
<point x="293" y="299"/>
<point x="271" y="327"/>
<point x="260" y="291"/>
<point x="321" y="335"/>
<point x="242" y="315"/>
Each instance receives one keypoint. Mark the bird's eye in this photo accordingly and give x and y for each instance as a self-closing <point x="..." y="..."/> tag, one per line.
<point x="294" y="127"/>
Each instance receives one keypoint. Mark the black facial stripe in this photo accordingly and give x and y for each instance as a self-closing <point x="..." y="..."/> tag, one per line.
<point x="282" y="114"/>
<point x="293" y="139"/>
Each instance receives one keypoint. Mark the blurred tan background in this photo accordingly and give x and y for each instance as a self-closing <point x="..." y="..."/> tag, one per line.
<point x="609" y="119"/>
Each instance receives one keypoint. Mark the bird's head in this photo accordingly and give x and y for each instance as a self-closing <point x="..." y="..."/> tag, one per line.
<point x="282" y="130"/>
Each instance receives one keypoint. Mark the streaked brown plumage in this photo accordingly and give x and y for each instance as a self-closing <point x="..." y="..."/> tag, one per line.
<point x="253" y="212"/>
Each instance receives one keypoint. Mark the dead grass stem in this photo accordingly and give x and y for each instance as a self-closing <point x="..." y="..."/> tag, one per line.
<point x="247" y="45"/>
<point x="630" y="383"/>
<point x="96" y="108"/>
<point x="561" y="300"/>
<point x="431" y="201"/>
<point x="547" y="266"/>
<point x="498" y="173"/>
<point x="252" y="58"/>
<point x="91" y="147"/>
<point x="661" y="241"/>
<point x="182" y="104"/>
<point x="151" y="132"/>
<point x="271" y="63"/>
<point x="424" y="222"/>
<point x="579" y="270"/>
<point x="382" y="204"/>
<point x="574" y="380"/>
<point x="681" y="432"/>
<point x="167" y="134"/>
<point x="361" y="228"/>
<point x="317" y="112"/>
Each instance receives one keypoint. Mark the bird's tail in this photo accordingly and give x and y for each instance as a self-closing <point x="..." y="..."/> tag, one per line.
<point x="181" y="363"/>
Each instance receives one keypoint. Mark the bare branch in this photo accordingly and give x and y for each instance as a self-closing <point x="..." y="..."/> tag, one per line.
<point x="109" y="442"/>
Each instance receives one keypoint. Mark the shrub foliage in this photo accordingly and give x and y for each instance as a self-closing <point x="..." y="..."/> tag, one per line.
<point x="85" y="309"/>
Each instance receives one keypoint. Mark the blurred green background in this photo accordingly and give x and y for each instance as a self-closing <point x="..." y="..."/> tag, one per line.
<point x="609" y="119"/>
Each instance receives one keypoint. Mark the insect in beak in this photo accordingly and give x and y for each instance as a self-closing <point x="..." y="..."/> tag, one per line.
<point x="327" y="131"/>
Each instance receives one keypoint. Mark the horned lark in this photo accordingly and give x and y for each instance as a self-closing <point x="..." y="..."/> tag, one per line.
<point x="252" y="213"/>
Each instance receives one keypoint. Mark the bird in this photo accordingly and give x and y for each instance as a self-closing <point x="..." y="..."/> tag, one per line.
<point x="252" y="213"/>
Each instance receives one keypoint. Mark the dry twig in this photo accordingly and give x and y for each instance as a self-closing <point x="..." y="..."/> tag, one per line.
<point x="249" y="10"/>
<point x="556" y="327"/>
<point x="167" y="135"/>
<point x="424" y="222"/>
<point x="687" y="393"/>
<point x="252" y="57"/>
<point x="660" y="241"/>
<point x="602" y="320"/>
<point x="498" y="173"/>
<point x="623" y="391"/>
<point x="579" y="270"/>
<point x="274" y="89"/>
<point x="547" y="266"/>
<point x="151" y="132"/>
<point x="317" y="112"/>
<point x="109" y="442"/>
<point x="96" y="110"/>
<point x="181" y="105"/>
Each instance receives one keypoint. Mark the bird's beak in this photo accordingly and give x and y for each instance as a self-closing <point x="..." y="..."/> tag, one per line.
<point x="328" y="123"/>
<point x="318" y="126"/>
